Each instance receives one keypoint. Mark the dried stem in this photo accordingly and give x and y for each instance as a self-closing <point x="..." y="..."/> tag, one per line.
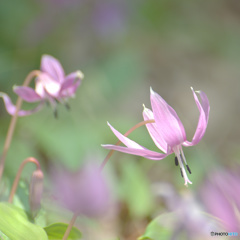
<point x="69" y="228"/>
<point x="12" y="124"/>
<point x="16" y="180"/>
<point x="119" y="142"/>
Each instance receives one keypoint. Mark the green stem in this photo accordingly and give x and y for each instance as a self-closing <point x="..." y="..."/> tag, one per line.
<point x="70" y="226"/>
<point x="119" y="142"/>
<point x="13" y="122"/>
<point x="17" y="178"/>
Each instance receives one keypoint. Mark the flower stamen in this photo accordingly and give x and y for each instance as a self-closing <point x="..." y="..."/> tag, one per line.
<point x="176" y="161"/>
<point x="181" y="172"/>
<point x="188" y="169"/>
<point x="185" y="161"/>
<point x="181" y="158"/>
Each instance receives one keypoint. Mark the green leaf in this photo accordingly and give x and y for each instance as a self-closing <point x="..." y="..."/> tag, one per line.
<point x="3" y="236"/>
<point x="14" y="224"/>
<point x="160" y="227"/>
<point x="56" y="231"/>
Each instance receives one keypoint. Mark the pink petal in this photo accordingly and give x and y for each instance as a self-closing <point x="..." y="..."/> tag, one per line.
<point x="11" y="109"/>
<point x="133" y="147"/>
<point x="204" y="109"/>
<point x="126" y="141"/>
<point x="93" y="192"/>
<point x="71" y="79"/>
<point x="48" y="84"/>
<point x="84" y="191"/>
<point x="53" y="68"/>
<point x="139" y="152"/>
<point x="167" y="121"/>
<point x="153" y="131"/>
<point x="70" y="92"/>
<point x="27" y="94"/>
<point x="219" y="204"/>
<point x="71" y="84"/>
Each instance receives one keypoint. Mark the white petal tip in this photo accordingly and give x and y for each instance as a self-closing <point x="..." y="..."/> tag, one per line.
<point x="186" y="183"/>
<point x="80" y="74"/>
<point x="195" y="91"/>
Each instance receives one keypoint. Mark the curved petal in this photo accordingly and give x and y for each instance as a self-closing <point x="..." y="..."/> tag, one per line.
<point x="70" y="92"/>
<point x="204" y="109"/>
<point x="71" y="84"/>
<point x="133" y="147"/>
<point x="167" y="121"/>
<point x="139" y="152"/>
<point x="71" y="79"/>
<point x="126" y="141"/>
<point x="52" y="67"/>
<point x="217" y="202"/>
<point x="11" y="109"/>
<point x="27" y="94"/>
<point x="153" y="131"/>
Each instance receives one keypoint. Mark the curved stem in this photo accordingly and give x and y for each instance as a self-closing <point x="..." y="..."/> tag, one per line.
<point x="126" y="134"/>
<point x="69" y="228"/>
<point x="16" y="180"/>
<point x="12" y="124"/>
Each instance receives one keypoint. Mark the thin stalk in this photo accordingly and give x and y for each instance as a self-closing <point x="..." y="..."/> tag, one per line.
<point x="13" y="122"/>
<point x="119" y="142"/>
<point x="17" y="178"/>
<point x="69" y="228"/>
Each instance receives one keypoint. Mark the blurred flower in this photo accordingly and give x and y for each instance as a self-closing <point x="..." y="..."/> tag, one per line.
<point x="167" y="132"/>
<point x="221" y="196"/>
<point x="185" y="211"/>
<point x="109" y="19"/>
<point x="84" y="192"/>
<point x="51" y="86"/>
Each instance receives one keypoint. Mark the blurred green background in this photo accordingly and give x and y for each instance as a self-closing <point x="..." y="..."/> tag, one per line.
<point x="123" y="48"/>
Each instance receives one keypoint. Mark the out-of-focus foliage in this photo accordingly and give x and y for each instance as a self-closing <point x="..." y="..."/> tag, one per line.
<point x="57" y="230"/>
<point x="136" y="190"/>
<point x="15" y="225"/>
<point x="160" y="228"/>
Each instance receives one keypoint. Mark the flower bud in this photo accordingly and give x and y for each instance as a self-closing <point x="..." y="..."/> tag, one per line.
<point x="36" y="190"/>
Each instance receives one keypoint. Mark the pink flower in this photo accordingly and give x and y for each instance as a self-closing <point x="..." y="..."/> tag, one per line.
<point x="167" y="132"/>
<point x="51" y="86"/>
<point x="83" y="192"/>
<point x="221" y="197"/>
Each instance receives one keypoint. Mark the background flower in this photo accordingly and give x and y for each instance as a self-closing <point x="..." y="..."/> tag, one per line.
<point x="83" y="191"/>
<point x="221" y="196"/>
<point x="51" y="85"/>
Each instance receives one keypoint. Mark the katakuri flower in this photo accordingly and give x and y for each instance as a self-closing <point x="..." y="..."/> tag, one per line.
<point x="51" y="86"/>
<point x="166" y="131"/>
<point x="221" y="197"/>
<point x="83" y="192"/>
